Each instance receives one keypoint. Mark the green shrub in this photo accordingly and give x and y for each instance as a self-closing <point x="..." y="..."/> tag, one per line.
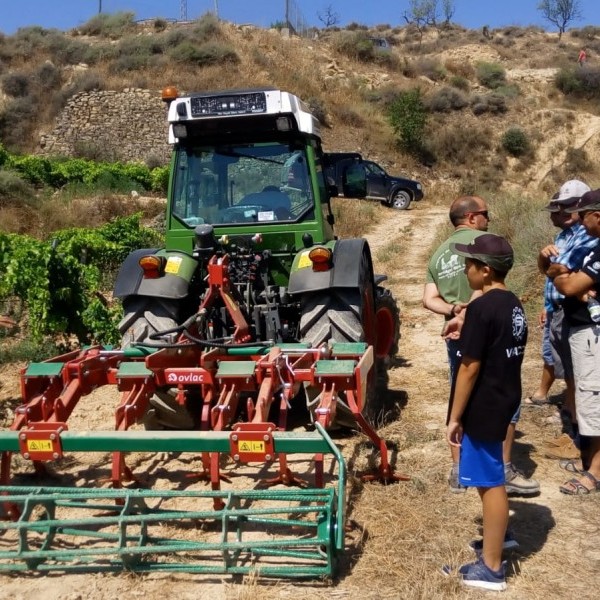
<point x="207" y="28"/>
<point x="14" y="190"/>
<point x="516" y="142"/>
<point x="577" y="162"/>
<point x="488" y="103"/>
<point x="160" y="179"/>
<point x="579" y="82"/>
<point x="491" y="75"/>
<point x="48" y="76"/>
<point x="210" y="53"/>
<point x="159" y="24"/>
<point x="460" y="83"/>
<point x="15" y="84"/>
<point x="130" y="62"/>
<point x="431" y="68"/>
<point x="459" y="145"/>
<point x="408" y="117"/>
<point x="447" y="99"/>
<point x="355" y="45"/>
<point x="18" y="121"/>
<point x="111" y="26"/>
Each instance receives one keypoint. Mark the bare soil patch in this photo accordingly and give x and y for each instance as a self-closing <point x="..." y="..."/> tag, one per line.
<point x="398" y="536"/>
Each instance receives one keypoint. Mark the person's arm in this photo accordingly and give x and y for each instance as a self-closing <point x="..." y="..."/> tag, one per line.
<point x="433" y="301"/>
<point x="453" y="327"/>
<point x="544" y="259"/>
<point x="575" y="283"/>
<point x="465" y="381"/>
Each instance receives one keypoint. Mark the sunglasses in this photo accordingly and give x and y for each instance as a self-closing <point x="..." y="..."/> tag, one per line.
<point x="484" y="213"/>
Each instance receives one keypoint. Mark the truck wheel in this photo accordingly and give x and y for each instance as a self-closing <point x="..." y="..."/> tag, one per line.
<point x="341" y="315"/>
<point x="144" y="317"/>
<point x="400" y="200"/>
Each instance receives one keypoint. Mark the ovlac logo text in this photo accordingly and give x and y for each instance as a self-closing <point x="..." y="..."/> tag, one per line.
<point x="185" y="376"/>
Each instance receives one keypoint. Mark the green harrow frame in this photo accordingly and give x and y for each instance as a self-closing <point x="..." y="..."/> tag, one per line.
<point x="275" y="532"/>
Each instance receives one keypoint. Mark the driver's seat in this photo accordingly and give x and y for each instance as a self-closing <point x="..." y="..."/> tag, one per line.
<point x="269" y="198"/>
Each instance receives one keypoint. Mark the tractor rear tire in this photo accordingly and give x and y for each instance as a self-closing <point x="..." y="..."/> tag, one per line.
<point x="144" y="317"/>
<point x="338" y="315"/>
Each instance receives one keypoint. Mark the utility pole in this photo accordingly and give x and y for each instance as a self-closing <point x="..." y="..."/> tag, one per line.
<point x="99" y="6"/>
<point x="217" y="8"/>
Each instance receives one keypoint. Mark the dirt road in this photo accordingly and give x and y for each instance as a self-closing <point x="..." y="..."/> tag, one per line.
<point x="400" y="535"/>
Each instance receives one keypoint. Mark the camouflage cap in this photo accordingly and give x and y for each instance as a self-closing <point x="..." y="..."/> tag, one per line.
<point x="490" y="249"/>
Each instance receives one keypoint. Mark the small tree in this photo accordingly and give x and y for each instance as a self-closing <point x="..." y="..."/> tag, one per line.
<point x="408" y="117"/>
<point x="328" y="17"/>
<point x="425" y="13"/>
<point x="421" y="14"/>
<point x="560" y="12"/>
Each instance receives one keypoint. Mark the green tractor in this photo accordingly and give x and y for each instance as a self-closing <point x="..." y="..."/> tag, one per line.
<point x="253" y="310"/>
<point x="247" y="183"/>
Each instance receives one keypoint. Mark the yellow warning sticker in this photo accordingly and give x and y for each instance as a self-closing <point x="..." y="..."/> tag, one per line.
<point x="173" y="265"/>
<point x="304" y="261"/>
<point x="39" y="445"/>
<point x="252" y="446"/>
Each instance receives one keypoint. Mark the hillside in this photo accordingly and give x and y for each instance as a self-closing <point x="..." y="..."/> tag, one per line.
<point x="470" y="105"/>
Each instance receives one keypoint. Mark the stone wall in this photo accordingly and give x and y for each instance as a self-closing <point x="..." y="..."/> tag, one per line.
<point x="129" y="126"/>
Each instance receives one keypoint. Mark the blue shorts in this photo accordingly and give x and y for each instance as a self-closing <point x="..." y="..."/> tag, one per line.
<point x="481" y="463"/>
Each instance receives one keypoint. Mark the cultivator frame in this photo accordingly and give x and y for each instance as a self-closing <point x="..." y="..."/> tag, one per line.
<point x="224" y="376"/>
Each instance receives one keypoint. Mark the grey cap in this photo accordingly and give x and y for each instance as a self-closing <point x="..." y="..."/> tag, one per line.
<point x="572" y="190"/>
<point x="490" y="249"/>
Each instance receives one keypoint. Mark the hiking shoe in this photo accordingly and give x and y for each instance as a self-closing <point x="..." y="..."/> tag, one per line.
<point x="455" y="486"/>
<point x="479" y="575"/>
<point x="509" y="544"/>
<point x="517" y="483"/>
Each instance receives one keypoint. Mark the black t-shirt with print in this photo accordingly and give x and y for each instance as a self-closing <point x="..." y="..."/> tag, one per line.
<point x="494" y="333"/>
<point x="576" y="311"/>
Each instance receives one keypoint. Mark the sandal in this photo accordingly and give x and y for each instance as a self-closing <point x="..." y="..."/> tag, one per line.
<point x="535" y="401"/>
<point x="575" y="487"/>
<point x="572" y="465"/>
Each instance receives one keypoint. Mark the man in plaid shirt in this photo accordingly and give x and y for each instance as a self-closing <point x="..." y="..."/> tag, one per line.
<point x="570" y="247"/>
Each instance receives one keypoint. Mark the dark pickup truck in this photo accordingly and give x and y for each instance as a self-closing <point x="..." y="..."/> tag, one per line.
<point x="395" y="192"/>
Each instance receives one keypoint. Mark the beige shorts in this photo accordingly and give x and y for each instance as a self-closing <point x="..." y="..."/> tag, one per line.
<point x="585" y="353"/>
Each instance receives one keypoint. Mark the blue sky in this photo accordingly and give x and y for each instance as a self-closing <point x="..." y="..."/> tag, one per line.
<point x="65" y="14"/>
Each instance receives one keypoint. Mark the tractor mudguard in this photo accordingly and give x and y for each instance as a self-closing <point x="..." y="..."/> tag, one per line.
<point x="344" y="273"/>
<point x="173" y="284"/>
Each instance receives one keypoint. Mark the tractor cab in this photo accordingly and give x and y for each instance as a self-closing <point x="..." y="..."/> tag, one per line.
<point x="247" y="161"/>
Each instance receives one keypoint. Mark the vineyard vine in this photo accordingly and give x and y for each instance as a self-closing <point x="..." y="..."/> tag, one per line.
<point x="60" y="281"/>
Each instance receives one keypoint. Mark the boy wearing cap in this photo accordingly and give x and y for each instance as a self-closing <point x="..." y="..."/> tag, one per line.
<point x="584" y="340"/>
<point x="487" y="394"/>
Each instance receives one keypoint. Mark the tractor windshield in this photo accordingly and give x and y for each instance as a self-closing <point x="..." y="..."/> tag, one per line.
<point x="240" y="184"/>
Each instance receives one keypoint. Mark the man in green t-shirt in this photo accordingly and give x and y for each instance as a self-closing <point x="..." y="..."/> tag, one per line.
<point x="447" y="292"/>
